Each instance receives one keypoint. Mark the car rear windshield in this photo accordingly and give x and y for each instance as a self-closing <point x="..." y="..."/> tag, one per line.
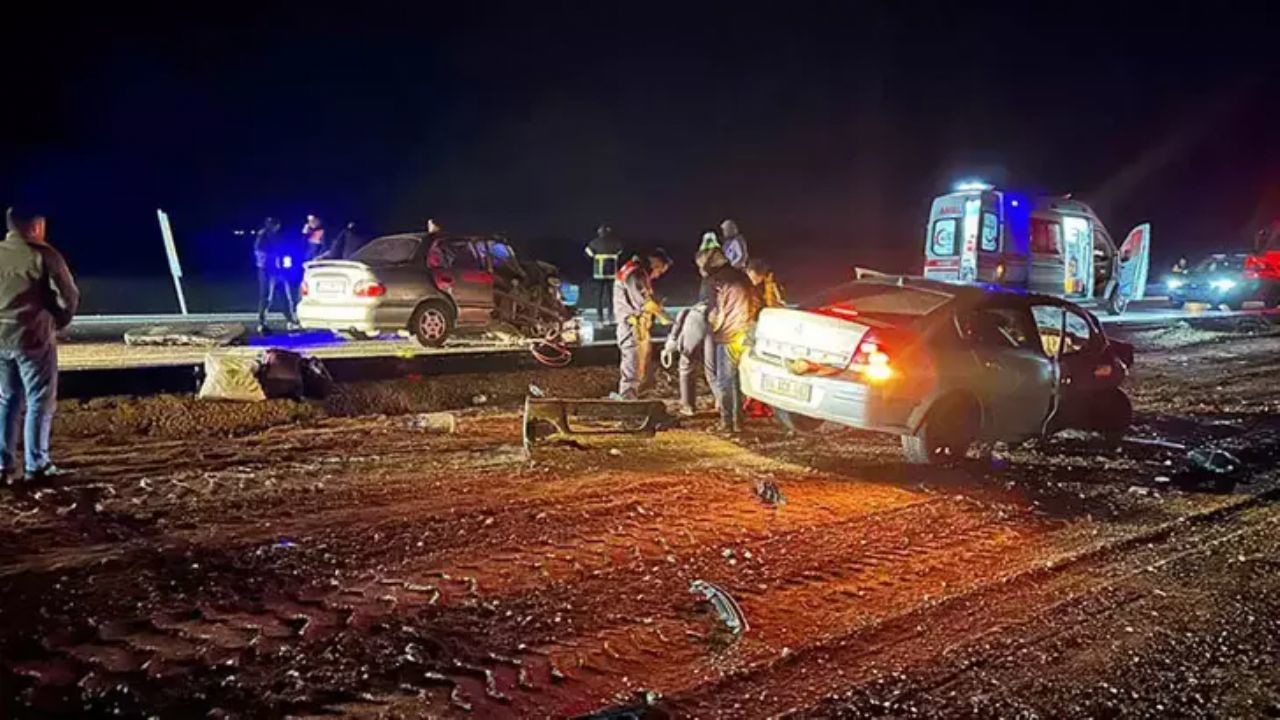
<point x="893" y="304"/>
<point x="390" y="250"/>
<point x="1221" y="264"/>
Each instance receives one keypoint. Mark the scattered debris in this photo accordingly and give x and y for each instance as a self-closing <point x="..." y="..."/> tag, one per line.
<point x="725" y="606"/>
<point x="615" y="452"/>
<point x="535" y="391"/>
<point x="479" y="399"/>
<point x="445" y="423"/>
<point x="638" y="710"/>
<point x="213" y="335"/>
<point x="600" y="416"/>
<point x="1219" y="462"/>
<point x="770" y="493"/>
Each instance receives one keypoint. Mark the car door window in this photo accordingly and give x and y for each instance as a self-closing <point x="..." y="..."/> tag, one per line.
<point x="1049" y="327"/>
<point x="1079" y="335"/>
<point x="998" y="328"/>
<point x="466" y="256"/>
<point x="1062" y="327"/>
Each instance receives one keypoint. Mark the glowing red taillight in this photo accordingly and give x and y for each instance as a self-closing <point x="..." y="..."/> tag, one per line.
<point x="871" y="360"/>
<point x="369" y="289"/>
<point x="305" y="290"/>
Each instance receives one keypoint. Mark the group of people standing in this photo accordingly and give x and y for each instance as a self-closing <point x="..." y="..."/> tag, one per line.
<point x="280" y="256"/>
<point x="734" y="288"/>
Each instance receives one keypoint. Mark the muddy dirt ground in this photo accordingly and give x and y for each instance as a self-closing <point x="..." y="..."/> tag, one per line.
<point x="336" y="560"/>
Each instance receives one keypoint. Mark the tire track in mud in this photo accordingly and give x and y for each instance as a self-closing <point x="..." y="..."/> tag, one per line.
<point x="790" y="683"/>
<point x="318" y="617"/>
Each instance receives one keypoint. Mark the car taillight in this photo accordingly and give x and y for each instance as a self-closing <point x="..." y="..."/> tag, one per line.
<point x="871" y="360"/>
<point x="305" y="290"/>
<point x="370" y="289"/>
<point x="444" y="281"/>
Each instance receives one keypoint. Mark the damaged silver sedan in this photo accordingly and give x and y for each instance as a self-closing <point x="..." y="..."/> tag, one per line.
<point x="941" y="365"/>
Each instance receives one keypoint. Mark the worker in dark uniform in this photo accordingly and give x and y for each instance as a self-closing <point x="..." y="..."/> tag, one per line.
<point x="344" y="245"/>
<point x="732" y="306"/>
<point x="275" y="257"/>
<point x="604" y="250"/>
<point x="636" y="309"/>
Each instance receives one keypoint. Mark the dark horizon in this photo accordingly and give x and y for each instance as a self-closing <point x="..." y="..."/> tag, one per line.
<point x="824" y="133"/>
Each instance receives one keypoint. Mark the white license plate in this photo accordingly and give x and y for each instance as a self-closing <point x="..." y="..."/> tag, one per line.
<point x="783" y="387"/>
<point x="329" y="286"/>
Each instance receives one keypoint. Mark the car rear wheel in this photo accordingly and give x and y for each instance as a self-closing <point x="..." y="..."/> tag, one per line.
<point x="946" y="434"/>
<point x="431" y="323"/>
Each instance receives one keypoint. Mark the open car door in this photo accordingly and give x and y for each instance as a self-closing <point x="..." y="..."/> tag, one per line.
<point x="1132" y="264"/>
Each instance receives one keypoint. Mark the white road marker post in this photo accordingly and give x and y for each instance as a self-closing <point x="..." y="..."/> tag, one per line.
<point x="175" y="267"/>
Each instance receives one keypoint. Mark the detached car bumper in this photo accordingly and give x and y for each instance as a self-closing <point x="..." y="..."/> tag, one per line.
<point x="845" y="402"/>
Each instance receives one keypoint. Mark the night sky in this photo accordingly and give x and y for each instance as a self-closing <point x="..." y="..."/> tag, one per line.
<point x="823" y="129"/>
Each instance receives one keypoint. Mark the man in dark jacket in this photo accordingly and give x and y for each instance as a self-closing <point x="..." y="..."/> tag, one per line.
<point x="38" y="297"/>
<point x="345" y="244"/>
<point x="275" y="256"/>
<point x="732" y="306"/>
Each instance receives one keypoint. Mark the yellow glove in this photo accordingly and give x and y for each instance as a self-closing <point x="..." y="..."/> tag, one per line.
<point x="654" y="308"/>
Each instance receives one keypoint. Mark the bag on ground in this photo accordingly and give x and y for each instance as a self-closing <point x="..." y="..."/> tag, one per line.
<point x="281" y="374"/>
<point x="231" y="377"/>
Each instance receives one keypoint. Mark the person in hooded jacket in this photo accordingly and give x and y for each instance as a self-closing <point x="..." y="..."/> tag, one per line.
<point x="734" y="245"/>
<point x="688" y="339"/>
<point x="732" y="307"/>
<point x="38" y="297"/>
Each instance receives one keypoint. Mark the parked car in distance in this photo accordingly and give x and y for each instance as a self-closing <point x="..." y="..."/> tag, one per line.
<point x="941" y="365"/>
<point x="1230" y="279"/>
<point x="432" y="285"/>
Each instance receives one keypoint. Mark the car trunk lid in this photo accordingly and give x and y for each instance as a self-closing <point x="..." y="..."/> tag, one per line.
<point x="337" y="279"/>
<point x="821" y="337"/>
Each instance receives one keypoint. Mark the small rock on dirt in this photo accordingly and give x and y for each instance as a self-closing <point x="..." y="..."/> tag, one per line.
<point x="438" y="422"/>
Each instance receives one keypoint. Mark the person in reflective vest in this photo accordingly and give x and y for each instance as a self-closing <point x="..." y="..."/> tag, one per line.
<point x="636" y="309"/>
<point x="603" y="250"/>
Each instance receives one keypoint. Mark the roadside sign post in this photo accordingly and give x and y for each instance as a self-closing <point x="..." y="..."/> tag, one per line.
<point x="175" y="268"/>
